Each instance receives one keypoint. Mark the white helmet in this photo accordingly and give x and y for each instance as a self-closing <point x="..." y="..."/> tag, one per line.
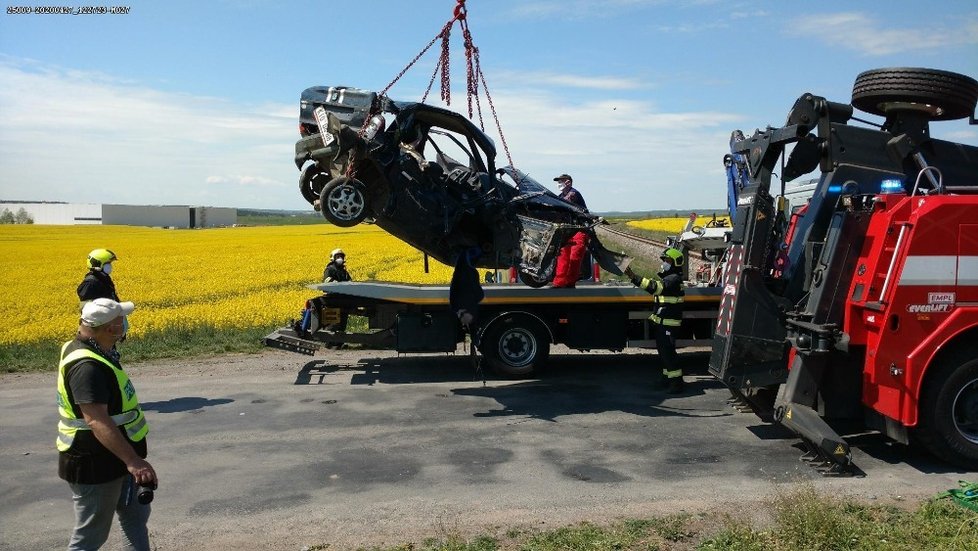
<point x="335" y="253"/>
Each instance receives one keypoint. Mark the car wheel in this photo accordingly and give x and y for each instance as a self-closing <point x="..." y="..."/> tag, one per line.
<point x="948" y="419"/>
<point x="515" y="345"/>
<point x="343" y="202"/>
<point x="944" y="95"/>
<point x="311" y="182"/>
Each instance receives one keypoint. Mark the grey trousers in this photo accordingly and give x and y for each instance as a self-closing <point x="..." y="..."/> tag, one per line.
<point x="94" y="508"/>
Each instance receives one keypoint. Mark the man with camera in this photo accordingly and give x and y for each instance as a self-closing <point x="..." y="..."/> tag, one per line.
<point x="102" y="433"/>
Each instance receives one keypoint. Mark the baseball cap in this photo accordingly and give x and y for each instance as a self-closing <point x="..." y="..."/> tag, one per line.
<point x="103" y="310"/>
<point x="563" y="177"/>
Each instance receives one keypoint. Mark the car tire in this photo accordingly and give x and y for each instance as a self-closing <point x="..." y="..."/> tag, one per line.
<point x="343" y="202"/>
<point x="948" y="419"/>
<point x="311" y="182"/>
<point x="950" y="96"/>
<point x="515" y="345"/>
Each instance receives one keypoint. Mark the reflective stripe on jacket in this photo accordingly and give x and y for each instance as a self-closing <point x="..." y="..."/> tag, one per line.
<point x="131" y="418"/>
<point x="668" y="295"/>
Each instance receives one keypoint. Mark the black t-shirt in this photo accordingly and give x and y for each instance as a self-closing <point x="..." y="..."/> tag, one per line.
<point x="96" y="284"/>
<point x="90" y="381"/>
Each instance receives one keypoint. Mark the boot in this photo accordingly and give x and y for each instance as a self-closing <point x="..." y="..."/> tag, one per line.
<point x="676" y="386"/>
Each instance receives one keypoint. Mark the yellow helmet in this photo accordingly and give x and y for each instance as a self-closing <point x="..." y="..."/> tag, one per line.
<point x="99" y="257"/>
<point x="673" y="255"/>
<point x="335" y="253"/>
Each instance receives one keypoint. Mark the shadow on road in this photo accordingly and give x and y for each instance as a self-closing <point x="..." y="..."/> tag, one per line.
<point x="186" y="403"/>
<point x="431" y="368"/>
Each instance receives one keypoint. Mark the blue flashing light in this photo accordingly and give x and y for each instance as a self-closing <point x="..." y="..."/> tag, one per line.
<point x="835" y="189"/>
<point x="891" y="186"/>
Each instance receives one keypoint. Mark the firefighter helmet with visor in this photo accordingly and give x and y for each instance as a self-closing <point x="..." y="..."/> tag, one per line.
<point x="672" y="255"/>
<point x="100" y="257"/>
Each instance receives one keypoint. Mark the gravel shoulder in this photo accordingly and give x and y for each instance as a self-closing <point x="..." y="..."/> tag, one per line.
<point x="353" y="448"/>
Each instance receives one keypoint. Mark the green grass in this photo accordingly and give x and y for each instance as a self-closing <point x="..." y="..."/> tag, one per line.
<point x="641" y="263"/>
<point x="202" y="341"/>
<point x="800" y="519"/>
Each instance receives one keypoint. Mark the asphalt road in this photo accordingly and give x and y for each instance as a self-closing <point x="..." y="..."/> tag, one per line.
<point x="279" y="451"/>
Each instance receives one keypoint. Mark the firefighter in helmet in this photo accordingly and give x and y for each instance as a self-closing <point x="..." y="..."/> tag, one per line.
<point x="666" y="288"/>
<point x="98" y="283"/>
<point x="336" y="271"/>
<point x="336" y="267"/>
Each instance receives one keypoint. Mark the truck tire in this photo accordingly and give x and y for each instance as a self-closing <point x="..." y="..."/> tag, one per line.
<point x="515" y="345"/>
<point x="950" y="96"/>
<point x="948" y="420"/>
<point x="343" y="202"/>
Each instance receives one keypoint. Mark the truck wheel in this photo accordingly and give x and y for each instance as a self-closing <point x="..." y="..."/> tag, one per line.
<point x="948" y="422"/>
<point x="343" y="202"/>
<point x="944" y="95"/>
<point x="515" y="345"/>
<point x="311" y="182"/>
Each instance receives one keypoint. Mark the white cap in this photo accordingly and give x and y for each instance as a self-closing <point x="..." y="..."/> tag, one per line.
<point x="103" y="310"/>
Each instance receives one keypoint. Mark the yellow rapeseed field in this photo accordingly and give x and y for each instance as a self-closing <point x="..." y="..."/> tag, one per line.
<point x="672" y="225"/>
<point x="222" y="277"/>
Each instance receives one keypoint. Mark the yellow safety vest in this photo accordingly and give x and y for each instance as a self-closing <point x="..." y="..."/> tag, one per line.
<point x="131" y="419"/>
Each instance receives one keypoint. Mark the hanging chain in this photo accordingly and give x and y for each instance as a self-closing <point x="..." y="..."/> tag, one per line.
<point x="473" y="76"/>
<point x="446" y="84"/>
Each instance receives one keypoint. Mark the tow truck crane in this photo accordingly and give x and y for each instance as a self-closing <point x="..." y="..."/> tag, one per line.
<point x="865" y="310"/>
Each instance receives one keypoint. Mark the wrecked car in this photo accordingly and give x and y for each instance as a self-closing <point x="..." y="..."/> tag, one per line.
<point x="427" y="175"/>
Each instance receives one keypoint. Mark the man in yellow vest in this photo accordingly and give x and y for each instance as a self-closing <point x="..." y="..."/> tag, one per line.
<point x="102" y="433"/>
<point x="666" y="288"/>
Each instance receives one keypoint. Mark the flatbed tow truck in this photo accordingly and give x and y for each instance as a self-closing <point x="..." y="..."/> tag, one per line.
<point x="515" y="327"/>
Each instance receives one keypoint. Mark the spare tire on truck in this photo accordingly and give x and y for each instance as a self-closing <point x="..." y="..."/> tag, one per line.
<point x="943" y="95"/>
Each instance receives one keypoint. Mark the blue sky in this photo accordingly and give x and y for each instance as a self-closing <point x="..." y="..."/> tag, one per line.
<point x="182" y="102"/>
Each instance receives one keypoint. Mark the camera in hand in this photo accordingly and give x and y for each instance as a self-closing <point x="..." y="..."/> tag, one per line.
<point x="144" y="493"/>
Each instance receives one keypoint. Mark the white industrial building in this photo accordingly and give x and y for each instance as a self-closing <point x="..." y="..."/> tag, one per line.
<point x="169" y="216"/>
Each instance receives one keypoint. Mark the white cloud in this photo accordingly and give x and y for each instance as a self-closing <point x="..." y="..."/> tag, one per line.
<point x="623" y="155"/>
<point x="692" y="28"/>
<point x="545" y="79"/>
<point x="119" y="142"/>
<point x="963" y="136"/>
<point x="70" y="135"/>
<point x="577" y="9"/>
<point x="866" y="35"/>
<point x="239" y="180"/>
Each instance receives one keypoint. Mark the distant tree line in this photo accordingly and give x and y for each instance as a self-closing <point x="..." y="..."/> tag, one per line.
<point x="20" y="217"/>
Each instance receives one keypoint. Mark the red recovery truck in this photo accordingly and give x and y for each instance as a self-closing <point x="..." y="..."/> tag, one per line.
<point x="864" y="312"/>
